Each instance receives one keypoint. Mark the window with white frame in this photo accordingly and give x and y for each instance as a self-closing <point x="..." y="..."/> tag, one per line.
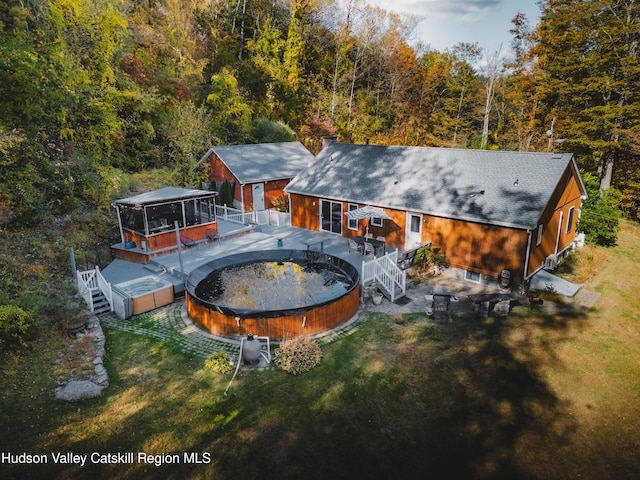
<point x="570" y="220"/>
<point x="376" y="221"/>
<point x="472" y="276"/>
<point x="539" y="239"/>
<point x="353" y="223"/>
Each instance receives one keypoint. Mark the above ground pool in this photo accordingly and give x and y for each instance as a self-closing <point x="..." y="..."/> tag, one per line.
<point x="274" y="293"/>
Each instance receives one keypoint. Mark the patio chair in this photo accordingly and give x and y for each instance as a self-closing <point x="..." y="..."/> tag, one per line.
<point x="381" y="249"/>
<point x="212" y="234"/>
<point x="187" y="242"/>
<point x="354" y="246"/>
<point x="368" y="235"/>
<point x="369" y="249"/>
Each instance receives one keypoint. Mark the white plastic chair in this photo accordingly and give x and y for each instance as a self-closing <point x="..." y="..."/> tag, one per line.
<point x="354" y="246"/>
<point x="369" y="249"/>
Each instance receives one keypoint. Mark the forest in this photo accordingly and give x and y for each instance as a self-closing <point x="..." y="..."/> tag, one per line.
<point x="93" y="89"/>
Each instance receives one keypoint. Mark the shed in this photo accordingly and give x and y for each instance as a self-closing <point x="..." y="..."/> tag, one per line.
<point x="258" y="172"/>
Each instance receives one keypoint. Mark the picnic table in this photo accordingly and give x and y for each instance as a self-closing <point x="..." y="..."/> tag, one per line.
<point x="487" y="302"/>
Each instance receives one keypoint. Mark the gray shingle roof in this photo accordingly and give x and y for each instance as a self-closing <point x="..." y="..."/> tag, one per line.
<point x="264" y="161"/>
<point x="492" y="187"/>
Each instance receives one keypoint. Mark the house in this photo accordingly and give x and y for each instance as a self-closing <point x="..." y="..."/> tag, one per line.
<point x="489" y="212"/>
<point x="257" y="172"/>
<point x="148" y="222"/>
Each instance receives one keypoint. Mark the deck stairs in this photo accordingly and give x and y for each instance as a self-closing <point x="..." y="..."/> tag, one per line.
<point x="385" y="272"/>
<point x="100" y="303"/>
<point x="95" y="290"/>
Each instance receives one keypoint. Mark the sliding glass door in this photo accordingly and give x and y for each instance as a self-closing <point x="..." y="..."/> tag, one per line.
<point x="331" y="216"/>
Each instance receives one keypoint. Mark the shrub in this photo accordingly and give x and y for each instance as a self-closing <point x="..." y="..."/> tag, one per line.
<point x="219" y="362"/>
<point x="226" y="194"/>
<point x="600" y="216"/>
<point x="298" y="355"/>
<point x="429" y="256"/>
<point x="281" y="203"/>
<point x="17" y="327"/>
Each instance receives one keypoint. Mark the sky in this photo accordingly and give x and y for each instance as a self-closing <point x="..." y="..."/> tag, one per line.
<point x="447" y="22"/>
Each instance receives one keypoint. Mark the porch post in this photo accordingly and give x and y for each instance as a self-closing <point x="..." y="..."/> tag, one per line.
<point x="179" y="249"/>
<point x="119" y="223"/>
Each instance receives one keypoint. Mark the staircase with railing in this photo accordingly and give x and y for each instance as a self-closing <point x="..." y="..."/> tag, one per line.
<point x="384" y="270"/>
<point x="95" y="291"/>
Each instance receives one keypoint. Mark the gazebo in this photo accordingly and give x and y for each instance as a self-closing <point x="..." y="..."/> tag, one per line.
<point x="151" y="223"/>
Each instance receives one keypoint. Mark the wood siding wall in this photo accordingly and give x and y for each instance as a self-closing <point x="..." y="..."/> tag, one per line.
<point x="481" y="248"/>
<point x="219" y="172"/>
<point x="554" y="221"/>
<point x="164" y="240"/>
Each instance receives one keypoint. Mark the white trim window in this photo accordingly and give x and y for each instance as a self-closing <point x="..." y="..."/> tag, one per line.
<point x="539" y="238"/>
<point x="472" y="276"/>
<point x="570" y="220"/>
<point x="352" y="224"/>
<point x="376" y="221"/>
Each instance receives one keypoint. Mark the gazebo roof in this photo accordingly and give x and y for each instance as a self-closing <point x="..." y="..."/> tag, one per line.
<point x="163" y="195"/>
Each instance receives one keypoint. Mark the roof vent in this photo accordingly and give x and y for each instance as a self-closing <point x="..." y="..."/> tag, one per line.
<point x="328" y="140"/>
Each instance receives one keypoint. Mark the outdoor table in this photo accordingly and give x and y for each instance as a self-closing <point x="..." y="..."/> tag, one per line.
<point x="490" y="297"/>
<point x="315" y="242"/>
<point x="360" y="240"/>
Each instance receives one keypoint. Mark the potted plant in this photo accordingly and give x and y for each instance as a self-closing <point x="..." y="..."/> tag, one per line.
<point x="376" y="297"/>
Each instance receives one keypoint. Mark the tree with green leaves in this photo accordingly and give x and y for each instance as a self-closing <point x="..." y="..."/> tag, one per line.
<point x="600" y="215"/>
<point x="587" y="53"/>
<point x="230" y="115"/>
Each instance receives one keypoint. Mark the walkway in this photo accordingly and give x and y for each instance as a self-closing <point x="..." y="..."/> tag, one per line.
<point x="171" y="324"/>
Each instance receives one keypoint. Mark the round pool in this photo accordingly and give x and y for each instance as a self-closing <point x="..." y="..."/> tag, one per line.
<point x="276" y="293"/>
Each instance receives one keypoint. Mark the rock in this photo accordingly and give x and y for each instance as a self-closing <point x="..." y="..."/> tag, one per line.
<point x="78" y="390"/>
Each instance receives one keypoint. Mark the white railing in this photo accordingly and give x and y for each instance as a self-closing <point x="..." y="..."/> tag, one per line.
<point x="105" y="288"/>
<point x="91" y="280"/>
<point x="385" y="271"/>
<point x="263" y="217"/>
<point x="85" y="282"/>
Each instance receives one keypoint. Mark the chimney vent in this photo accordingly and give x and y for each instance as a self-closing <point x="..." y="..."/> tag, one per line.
<point x="329" y="140"/>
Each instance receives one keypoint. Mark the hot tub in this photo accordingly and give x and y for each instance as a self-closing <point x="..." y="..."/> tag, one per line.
<point x="142" y="295"/>
<point x="275" y="293"/>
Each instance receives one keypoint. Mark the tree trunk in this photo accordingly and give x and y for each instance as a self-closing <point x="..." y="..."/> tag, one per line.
<point x="606" y="168"/>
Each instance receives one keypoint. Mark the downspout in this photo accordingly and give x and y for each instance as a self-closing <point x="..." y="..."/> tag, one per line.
<point x="526" y="257"/>
<point x="242" y="201"/>
<point x="559" y="231"/>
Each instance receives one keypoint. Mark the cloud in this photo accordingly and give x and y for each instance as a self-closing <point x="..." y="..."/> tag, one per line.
<point x="462" y="11"/>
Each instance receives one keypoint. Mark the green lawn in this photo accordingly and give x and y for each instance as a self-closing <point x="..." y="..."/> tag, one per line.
<point x="532" y="396"/>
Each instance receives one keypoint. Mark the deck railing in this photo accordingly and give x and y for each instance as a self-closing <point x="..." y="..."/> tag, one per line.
<point x="263" y="217"/>
<point x="91" y="280"/>
<point x="385" y="271"/>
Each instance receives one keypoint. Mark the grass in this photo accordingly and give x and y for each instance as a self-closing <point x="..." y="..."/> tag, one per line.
<point x="535" y="395"/>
